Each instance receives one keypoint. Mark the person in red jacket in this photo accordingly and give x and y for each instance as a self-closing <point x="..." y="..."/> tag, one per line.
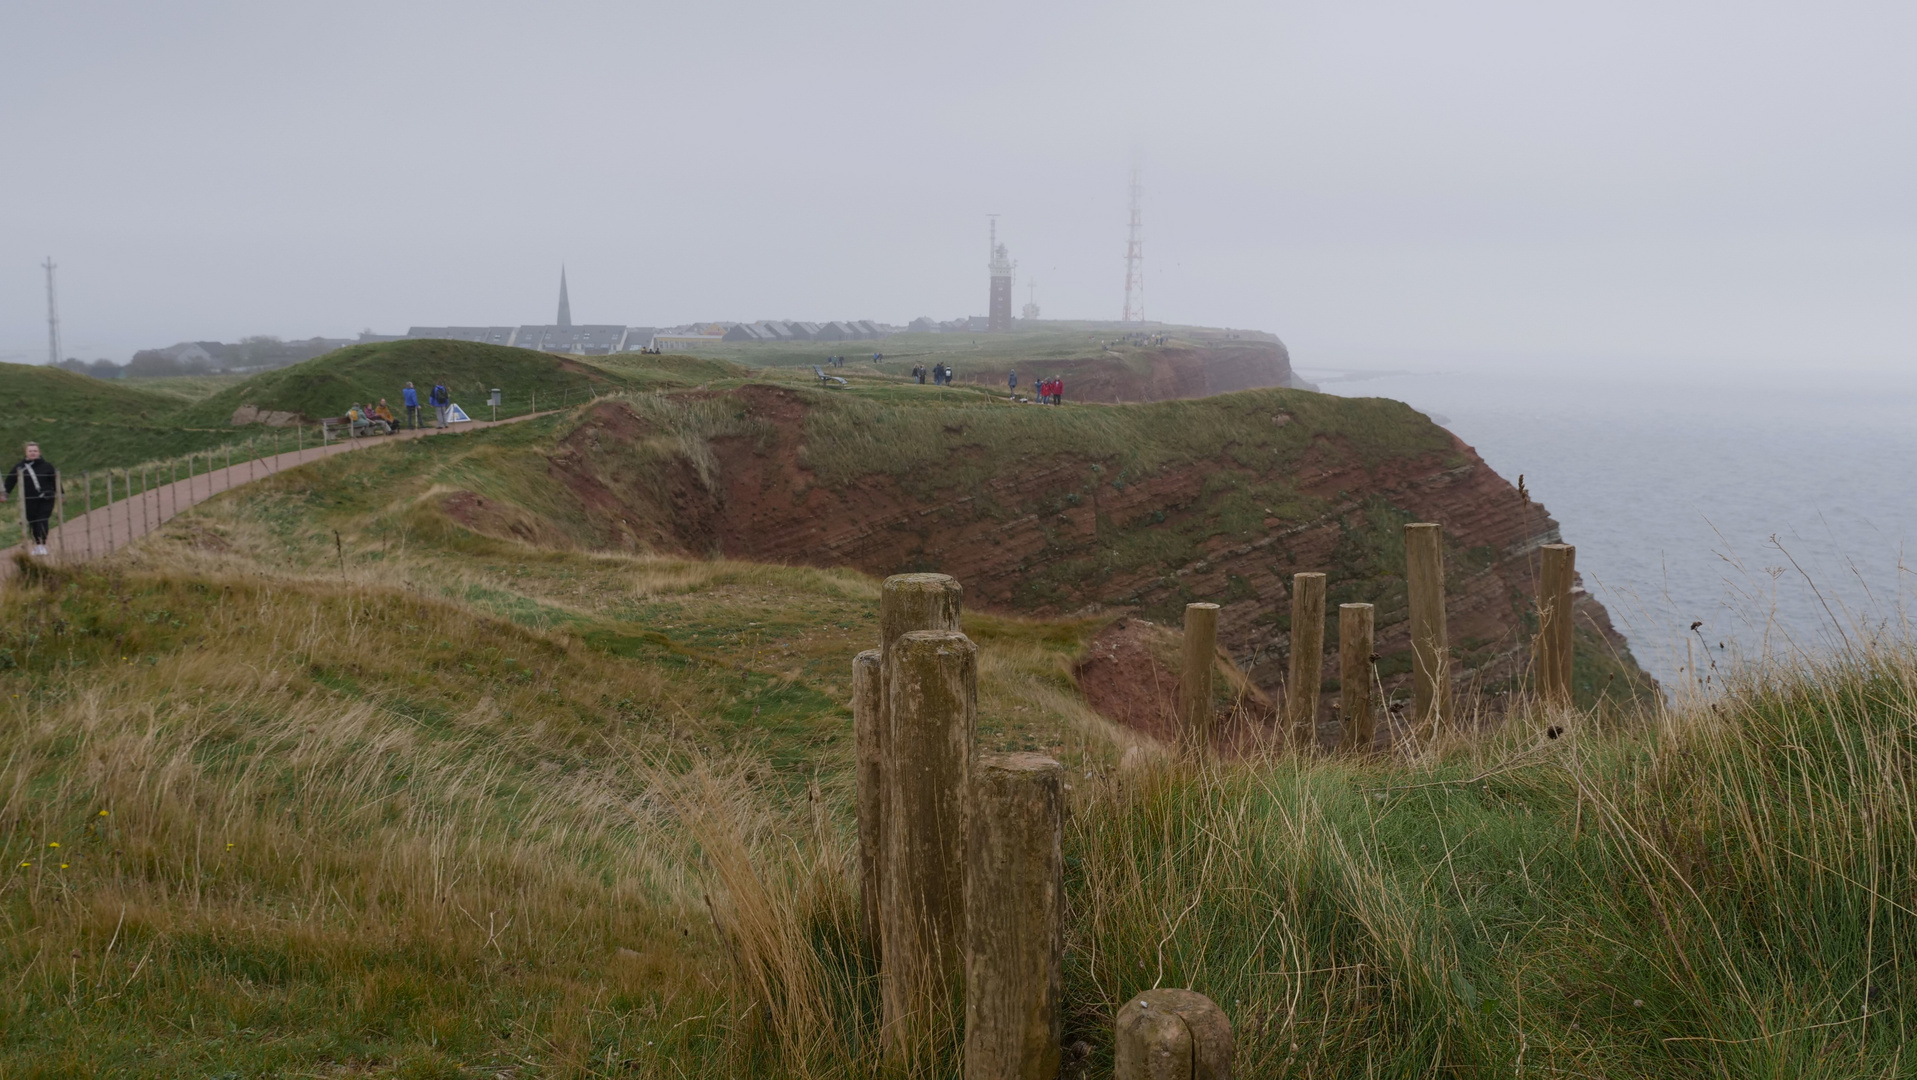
<point x="1058" y="391"/>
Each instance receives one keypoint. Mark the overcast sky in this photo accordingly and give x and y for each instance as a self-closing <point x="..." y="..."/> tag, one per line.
<point x="1697" y="182"/>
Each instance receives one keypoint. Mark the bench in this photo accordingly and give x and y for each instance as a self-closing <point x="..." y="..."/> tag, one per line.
<point x="827" y="380"/>
<point x="335" y="426"/>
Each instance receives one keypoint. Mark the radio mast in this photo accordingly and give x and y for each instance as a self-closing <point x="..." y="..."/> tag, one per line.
<point x="1135" y="256"/>
<point x="53" y="315"/>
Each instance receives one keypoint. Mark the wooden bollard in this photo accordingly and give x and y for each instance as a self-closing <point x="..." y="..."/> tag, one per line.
<point x="1430" y="645"/>
<point x="1356" y="643"/>
<point x="1307" y="658"/>
<point x="868" y="689"/>
<point x="1194" y="680"/>
<point x="907" y="602"/>
<point x="931" y="685"/>
<point x="1554" y="624"/>
<point x="1171" y="1035"/>
<point x="1014" y="917"/>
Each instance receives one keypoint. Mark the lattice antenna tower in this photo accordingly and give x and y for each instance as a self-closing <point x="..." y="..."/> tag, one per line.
<point x="1135" y="256"/>
<point x="53" y="314"/>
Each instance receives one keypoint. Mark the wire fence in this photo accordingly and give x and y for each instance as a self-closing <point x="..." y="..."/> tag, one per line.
<point x="138" y="498"/>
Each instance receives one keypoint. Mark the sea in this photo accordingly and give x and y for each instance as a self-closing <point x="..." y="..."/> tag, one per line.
<point x="1722" y="514"/>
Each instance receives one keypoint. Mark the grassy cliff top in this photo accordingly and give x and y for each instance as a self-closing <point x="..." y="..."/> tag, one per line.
<point x="404" y="801"/>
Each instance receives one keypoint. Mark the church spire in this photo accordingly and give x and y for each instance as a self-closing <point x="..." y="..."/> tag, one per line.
<point x="565" y="307"/>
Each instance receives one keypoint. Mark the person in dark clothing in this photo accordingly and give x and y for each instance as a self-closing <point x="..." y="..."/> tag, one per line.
<point x="1011" y="381"/>
<point x="39" y="485"/>
<point x="440" y="399"/>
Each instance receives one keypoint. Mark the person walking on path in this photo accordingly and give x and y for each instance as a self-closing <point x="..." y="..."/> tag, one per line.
<point x="1058" y="391"/>
<point x="441" y="399"/>
<point x="39" y="484"/>
<point x="411" y="397"/>
<point x="1011" y="381"/>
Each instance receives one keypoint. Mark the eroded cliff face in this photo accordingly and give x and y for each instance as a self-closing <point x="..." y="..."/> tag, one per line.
<point x="1026" y="529"/>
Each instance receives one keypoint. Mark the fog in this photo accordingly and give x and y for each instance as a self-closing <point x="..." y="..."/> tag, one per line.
<point x="1702" y="183"/>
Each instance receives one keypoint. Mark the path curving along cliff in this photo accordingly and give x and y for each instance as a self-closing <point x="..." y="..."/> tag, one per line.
<point x="1142" y="508"/>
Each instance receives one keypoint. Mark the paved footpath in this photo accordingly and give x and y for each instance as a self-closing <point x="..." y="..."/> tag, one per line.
<point x="114" y="526"/>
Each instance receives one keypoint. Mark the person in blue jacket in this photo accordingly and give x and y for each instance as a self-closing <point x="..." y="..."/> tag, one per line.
<point x="411" y="397"/>
<point x="440" y="399"/>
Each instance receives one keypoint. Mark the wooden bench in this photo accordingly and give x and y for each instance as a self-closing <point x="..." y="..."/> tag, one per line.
<point x="334" y="426"/>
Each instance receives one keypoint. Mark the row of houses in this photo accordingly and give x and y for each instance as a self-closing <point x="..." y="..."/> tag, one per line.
<point x="778" y="330"/>
<point x="585" y="339"/>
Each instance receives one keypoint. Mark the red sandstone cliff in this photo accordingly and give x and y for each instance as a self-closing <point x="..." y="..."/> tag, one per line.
<point x="1044" y="533"/>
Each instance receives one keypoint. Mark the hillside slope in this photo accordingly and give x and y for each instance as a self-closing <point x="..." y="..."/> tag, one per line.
<point x="1052" y="511"/>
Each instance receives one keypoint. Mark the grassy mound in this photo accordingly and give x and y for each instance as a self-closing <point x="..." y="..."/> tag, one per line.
<point x="326" y="385"/>
<point x="84" y="423"/>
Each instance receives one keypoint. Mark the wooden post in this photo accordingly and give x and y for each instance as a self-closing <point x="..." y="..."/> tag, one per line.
<point x="1355" y="646"/>
<point x="1194" y="680"/>
<point x="931" y="683"/>
<point x="1430" y="645"/>
<point x="1307" y="658"/>
<point x="87" y="476"/>
<point x="907" y="602"/>
<point x="868" y="688"/>
<point x="60" y="508"/>
<point x="146" y="488"/>
<point x="1554" y="624"/>
<point x="1171" y="1035"/>
<point x="1014" y="917"/>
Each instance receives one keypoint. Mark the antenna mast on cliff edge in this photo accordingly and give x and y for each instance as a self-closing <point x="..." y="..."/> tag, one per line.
<point x="1135" y="256"/>
<point x="53" y="315"/>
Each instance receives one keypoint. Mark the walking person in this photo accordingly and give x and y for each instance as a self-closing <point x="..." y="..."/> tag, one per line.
<point x="1058" y="391"/>
<point x="411" y="397"/>
<point x="39" y="484"/>
<point x="440" y="399"/>
<point x="1011" y="381"/>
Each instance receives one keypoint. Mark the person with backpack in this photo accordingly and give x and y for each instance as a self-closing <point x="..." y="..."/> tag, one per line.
<point x="440" y="399"/>
<point x="411" y="397"/>
<point x="39" y="484"/>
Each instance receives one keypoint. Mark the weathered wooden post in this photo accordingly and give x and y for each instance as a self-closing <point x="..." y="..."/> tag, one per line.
<point x="1356" y="643"/>
<point x="1307" y="658"/>
<point x="1194" y="680"/>
<point x="1171" y="1035"/>
<point x="868" y="689"/>
<point x="1430" y="645"/>
<point x="1014" y="917"/>
<point x="1554" y="624"/>
<point x="907" y="602"/>
<point x="931" y="685"/>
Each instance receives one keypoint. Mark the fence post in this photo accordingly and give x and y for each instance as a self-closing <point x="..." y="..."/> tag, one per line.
<point x="1307" y="658"/>
<point x="1430" y="645"/>
<point x="1356" y="643"/>
<point x="868" y="688"/>
<point x="60" y="508"/>
<point x="1171" y="1035"/>
<point x="1554" y="624"/>
<point x="1014" y="917"/>
<point x="932" y="690"/>
<point x="907" y="602"/>
<point x="1194" y="682"/>
<point x="26" y="530"/>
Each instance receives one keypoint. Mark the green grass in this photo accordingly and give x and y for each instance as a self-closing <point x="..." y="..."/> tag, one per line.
<point x="386" y="797"/>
